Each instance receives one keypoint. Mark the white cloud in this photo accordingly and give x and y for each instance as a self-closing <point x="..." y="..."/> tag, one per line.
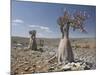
<point x="18" y="21"/>
<point x="32" y="26"/>
<point x="47" y="29"/>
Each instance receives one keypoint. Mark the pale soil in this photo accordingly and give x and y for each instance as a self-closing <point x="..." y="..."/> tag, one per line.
<point x="29" y="61"/>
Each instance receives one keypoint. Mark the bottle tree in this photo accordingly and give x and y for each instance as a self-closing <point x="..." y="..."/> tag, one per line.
<point x="32" y="42"/>
<point x="66" y="22"/>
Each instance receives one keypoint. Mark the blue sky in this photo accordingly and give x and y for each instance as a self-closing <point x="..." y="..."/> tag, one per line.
<point x="42" y="17"/>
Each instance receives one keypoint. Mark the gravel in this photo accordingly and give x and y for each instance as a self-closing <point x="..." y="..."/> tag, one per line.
<point x="25" y="61"/>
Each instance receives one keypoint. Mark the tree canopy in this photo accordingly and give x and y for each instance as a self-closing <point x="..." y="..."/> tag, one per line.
<point x="75" y="21"/>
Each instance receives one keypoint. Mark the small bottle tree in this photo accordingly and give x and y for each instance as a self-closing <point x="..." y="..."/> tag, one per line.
<point x="67" y="21"/>
<point x="32" y="42"/>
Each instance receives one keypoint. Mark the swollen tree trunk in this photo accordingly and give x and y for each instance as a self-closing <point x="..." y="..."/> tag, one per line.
<point x="34" y="44"/>
<point x="65" y="53"/>
<point x="70" y="56"/>
<point x="30" y="43"/>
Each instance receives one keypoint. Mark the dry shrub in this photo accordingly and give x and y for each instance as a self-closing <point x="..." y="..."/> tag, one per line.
<point x="82" y="45"/>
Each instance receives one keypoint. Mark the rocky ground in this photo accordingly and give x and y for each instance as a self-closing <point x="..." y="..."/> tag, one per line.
<point x="25" y="61"/>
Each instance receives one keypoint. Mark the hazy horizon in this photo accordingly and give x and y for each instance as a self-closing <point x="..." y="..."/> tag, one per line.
<point x="58" y="37"/>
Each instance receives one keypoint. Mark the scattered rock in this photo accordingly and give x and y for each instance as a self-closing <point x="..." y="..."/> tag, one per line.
<point x="51" y="69"/>
<point x="76" y="66"/>
<point x="66" y="68"/>
<point x="86" y="68"/>
<point x="35" y="59"/>
<point x="40" y="49"/>
<point x="26" y="62"/>
<point x="27" y="68"/>
<point x="20" y="65"/>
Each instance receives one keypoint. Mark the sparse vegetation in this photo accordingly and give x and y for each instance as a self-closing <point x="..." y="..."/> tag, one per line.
<point x="30" y="61"/>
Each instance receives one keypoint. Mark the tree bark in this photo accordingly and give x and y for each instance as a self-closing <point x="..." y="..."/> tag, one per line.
<point x="70" y="56"/>
<point x="34" y="44"/>
<point x="65" y="53"/>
